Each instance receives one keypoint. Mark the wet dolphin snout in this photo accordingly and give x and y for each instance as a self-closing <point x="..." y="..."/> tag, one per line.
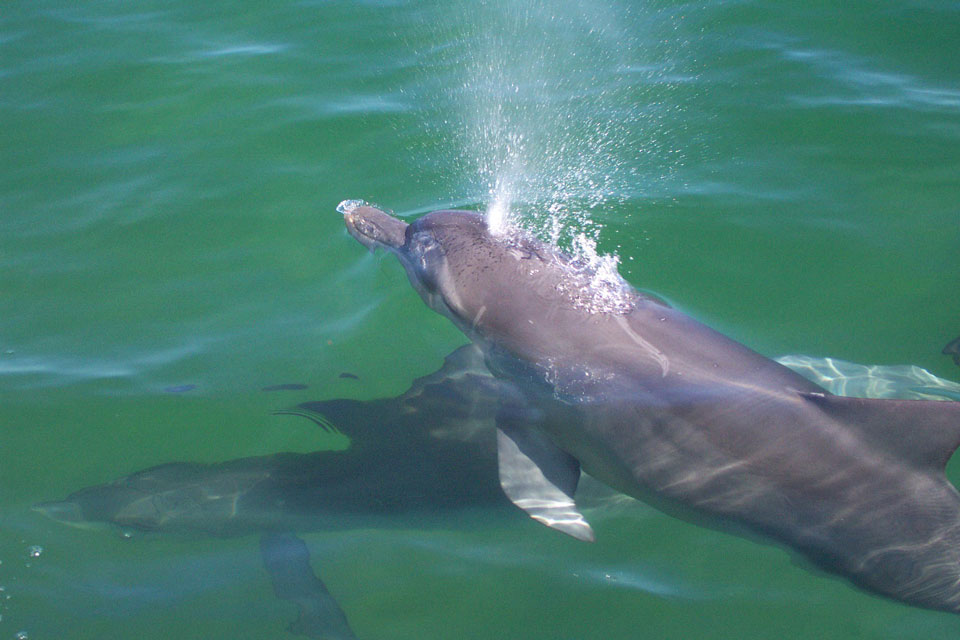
<point x="375" y="228"/>
<point x="66" y="512"/>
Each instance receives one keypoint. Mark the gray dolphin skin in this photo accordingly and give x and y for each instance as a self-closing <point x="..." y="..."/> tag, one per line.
<point x="662" y="408"/>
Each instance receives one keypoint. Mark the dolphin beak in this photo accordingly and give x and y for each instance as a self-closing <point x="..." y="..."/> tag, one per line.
<point x="66" y="512"/>
<point x="375" y="228"/>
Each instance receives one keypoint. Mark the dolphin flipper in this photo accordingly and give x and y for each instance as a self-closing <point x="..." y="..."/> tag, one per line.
<point x="541" y="479"/>
<point x="287" y="560"/>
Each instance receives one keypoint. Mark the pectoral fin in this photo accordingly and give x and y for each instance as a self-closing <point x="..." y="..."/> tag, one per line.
<point x="288" y="561"/>
<point x="541" y="479"/>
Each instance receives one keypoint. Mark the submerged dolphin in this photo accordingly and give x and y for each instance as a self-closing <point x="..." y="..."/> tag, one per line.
<point x="400" y="449"/>
<point x="667" y="410"/>
<point x="403" y="452"/>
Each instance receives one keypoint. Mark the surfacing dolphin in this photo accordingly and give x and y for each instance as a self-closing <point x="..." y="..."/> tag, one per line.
<point x="662" y="408"/>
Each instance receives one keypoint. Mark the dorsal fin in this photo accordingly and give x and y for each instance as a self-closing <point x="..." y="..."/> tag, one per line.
<point x="925" y="432"/>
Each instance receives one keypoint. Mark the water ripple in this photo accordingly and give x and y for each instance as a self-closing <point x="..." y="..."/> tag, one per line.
<point x="244" y="50"/>
<point x="862" y="82"/>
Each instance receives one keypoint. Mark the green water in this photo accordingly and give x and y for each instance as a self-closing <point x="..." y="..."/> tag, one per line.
<point x="785" y="171"/>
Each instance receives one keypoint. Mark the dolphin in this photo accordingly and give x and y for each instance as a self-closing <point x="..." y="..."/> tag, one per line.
<point x="441" y="426"/>
<point x="651" y="402"/>
<point x="449" y="414"/>
<point x="401" y="450"/>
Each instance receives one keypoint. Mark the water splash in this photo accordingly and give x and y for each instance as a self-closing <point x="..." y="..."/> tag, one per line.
<point x="347" y="206"/>
<point x="558" y="112"/>
<point x="595" y="283"/>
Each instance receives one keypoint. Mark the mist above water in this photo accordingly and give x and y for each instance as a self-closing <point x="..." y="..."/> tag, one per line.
<point x="560" y="109"/>
<point x="558" y="113"/>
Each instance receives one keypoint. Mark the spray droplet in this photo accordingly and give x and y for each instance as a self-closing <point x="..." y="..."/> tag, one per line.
<point x="34" y="551"/>
<point x="497" y="216"/>
<point x="347" y="206"/>
<point x="21" y="635"/>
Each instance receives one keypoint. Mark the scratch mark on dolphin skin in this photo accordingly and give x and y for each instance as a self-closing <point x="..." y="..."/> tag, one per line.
<point x="655" y="353"/>
<point x="476" y="318"/>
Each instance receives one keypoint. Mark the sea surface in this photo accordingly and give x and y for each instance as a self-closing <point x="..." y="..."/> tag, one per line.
<point x="787" y="172"/>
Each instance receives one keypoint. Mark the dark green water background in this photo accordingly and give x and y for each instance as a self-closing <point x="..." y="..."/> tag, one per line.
<point x="788" y="172"/>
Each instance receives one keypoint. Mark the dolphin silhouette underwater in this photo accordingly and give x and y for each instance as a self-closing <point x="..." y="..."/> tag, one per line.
<point x="441" y="427"/>
<point x="658" y="406"/>
<point x="403" y="453"/>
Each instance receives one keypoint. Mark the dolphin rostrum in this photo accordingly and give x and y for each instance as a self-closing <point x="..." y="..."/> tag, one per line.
<point x="662" y="408"/>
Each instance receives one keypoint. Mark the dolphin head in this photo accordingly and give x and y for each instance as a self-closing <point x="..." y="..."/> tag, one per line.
<point x="499" y="286"/>
<point x="439" y="252"/>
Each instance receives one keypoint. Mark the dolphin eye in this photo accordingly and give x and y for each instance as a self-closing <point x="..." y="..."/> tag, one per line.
<point x="426" y="248"/>
<point x="428" y="243"/>
<point x="426" y="253"/>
